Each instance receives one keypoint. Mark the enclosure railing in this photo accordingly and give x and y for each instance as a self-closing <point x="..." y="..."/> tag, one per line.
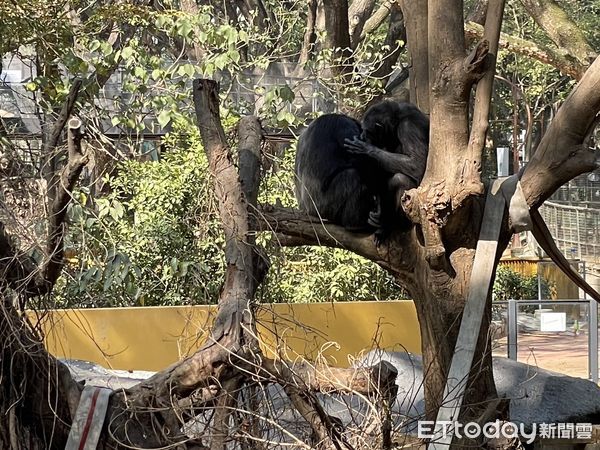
<point x="576" y="229"/>
<point x="509" y="311"/>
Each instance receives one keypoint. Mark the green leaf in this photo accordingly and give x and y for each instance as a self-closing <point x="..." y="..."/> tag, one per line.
<point x="127" y="52"/>
<point x="94" y="45"/>
<point x="286" y="93"/>
<point x="184" y="27"/>
<point x="164" y="118"/>
<point x="234" y="55"/>
<point x="139" y="72"/>
<point x="156" y="73"/>
<point x="105" y="48"/>
<point x="187" y="69"/>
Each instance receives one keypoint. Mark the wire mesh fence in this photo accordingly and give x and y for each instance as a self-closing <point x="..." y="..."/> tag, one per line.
<point x="576" y="229"/>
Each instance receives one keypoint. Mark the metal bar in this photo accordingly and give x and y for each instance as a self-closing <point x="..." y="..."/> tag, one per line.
<point x="578" y="235"/>
<point x="593" y="340"/>
<point x="512" y="329"/>
<point x="592" y="334"/>
<point x="553" y="302"/>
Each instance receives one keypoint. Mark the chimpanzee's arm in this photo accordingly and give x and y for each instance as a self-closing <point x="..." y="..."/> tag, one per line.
<point x="388" y="161"/>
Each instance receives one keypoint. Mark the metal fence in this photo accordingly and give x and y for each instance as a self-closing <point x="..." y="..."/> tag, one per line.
<point x="576" y="229"/>
<point x="552" y="328"/>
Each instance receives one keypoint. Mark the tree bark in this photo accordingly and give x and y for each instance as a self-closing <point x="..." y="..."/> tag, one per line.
<point x="448" y="195"/>
<point x="415" y="12"/>
<point x="310" y="35"/>
<point x="533" y="50"/>
<point x="358" y="13"/>
<point x="377" y="18"/>
<point x="562" y="153"/>
<point x="338" y="37"/>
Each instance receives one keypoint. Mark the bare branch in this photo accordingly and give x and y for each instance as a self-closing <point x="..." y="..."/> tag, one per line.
<point x="483" y="96"/>
<point x="19" y="271"/>
<point x="58" y="209"/>
<point x="377" y="19"/>
<point x="64" y="114"/>
<point x="308" y="406"/>
<point x="368" y="381"/>
<point x="396" y="32"/>
<point x="307" y="230"/>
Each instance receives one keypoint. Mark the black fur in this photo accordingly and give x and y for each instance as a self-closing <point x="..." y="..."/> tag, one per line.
<point x="330" y="182"/>
<point x="355" y="176"/>
<point x="396" y="137"/>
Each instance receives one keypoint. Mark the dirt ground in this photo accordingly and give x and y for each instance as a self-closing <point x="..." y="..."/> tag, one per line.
<point x="560" y="352"/>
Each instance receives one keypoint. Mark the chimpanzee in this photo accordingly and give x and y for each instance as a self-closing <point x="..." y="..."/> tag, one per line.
<point x="396" y="136"/>
<point x="357" y="181"/>
<point x="332" y="183"/>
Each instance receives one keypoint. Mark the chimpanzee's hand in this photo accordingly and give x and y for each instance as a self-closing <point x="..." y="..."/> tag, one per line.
<point x="357" y="146"/>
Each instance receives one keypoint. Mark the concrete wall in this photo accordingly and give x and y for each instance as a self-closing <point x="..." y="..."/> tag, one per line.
<point x="152" y="338"/>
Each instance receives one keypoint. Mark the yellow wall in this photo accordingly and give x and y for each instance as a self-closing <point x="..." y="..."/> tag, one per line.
<point x="152" y="338"/>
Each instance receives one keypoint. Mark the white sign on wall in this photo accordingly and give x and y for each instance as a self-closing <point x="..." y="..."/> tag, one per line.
<point x="553" y="321"/>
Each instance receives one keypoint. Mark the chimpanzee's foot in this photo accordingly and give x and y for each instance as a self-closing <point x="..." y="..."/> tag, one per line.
<point x="380" y="236"/>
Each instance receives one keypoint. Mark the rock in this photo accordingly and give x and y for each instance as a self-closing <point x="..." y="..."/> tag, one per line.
<point x="536" y="395"/>
<point x="96" y="375"/>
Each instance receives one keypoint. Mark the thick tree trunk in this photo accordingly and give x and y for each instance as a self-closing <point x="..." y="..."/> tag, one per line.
<point x="338" y="36"/>
<point x="310" y="35"/>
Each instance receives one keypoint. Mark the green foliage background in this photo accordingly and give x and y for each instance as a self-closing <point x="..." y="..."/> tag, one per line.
<point x="153" y="237"/>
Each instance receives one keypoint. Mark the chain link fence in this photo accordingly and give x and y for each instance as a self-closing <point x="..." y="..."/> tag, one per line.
<point x="573" y="217"/>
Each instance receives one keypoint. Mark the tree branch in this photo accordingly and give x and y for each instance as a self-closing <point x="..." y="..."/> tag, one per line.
<point x="530" y="49"/>
<point x="559" y="27"/>
<point x="308" y="230"/>
<point x="19" y="271"/>
<point x="396" y="32"/>
<point x="562" y="154"/>
<point x="358" y="13"/>
<point x="417" y="41"/>
<point x="58" y="209"/>
<point x="376" y="19"/>
<point x="485" y="86"/>
<point x="65" y="112"/>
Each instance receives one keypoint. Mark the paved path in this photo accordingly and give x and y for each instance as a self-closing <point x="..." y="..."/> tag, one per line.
<point x="561" y="352"/>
